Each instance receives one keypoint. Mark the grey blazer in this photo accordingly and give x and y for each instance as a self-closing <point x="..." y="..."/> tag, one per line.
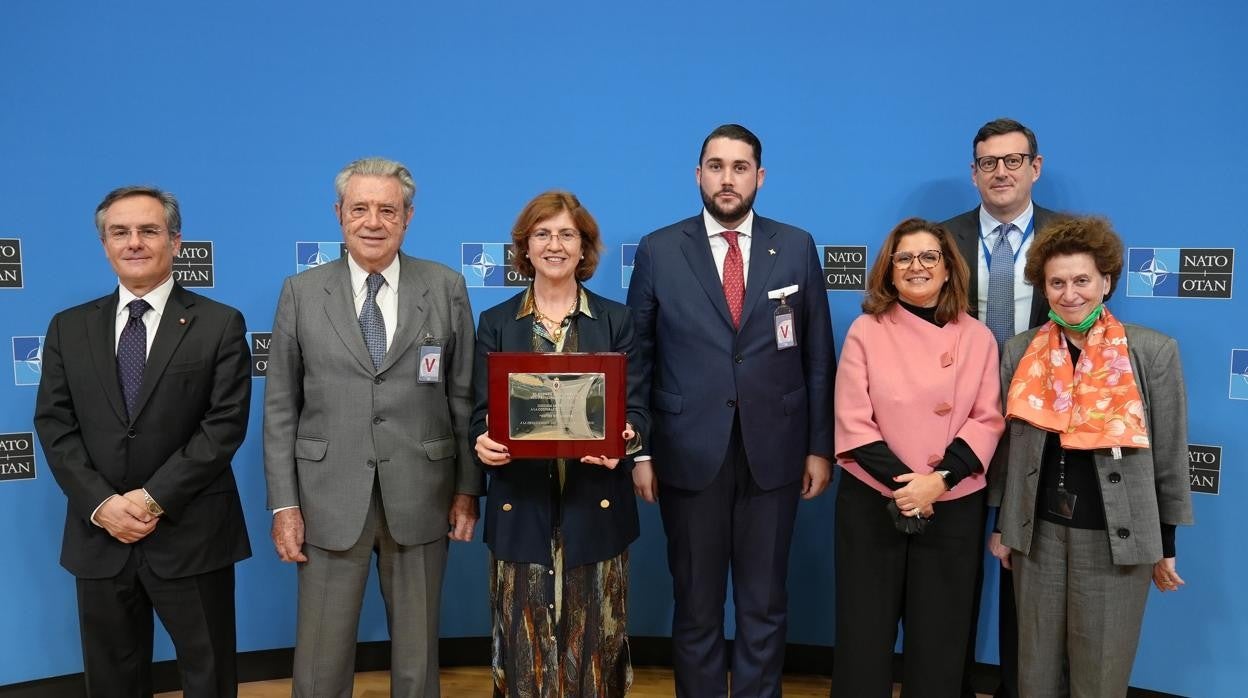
<point x="1142" y="489"/>
<point x="332" y="423"/>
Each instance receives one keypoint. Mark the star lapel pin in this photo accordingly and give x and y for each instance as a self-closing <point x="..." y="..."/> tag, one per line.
<point x="771" y="250"/>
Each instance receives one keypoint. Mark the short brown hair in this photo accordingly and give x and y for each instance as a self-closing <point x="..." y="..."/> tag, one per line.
<point x="1090" y="235"/>
<point x="548" y="205"/>
<point x="882" y="293"/>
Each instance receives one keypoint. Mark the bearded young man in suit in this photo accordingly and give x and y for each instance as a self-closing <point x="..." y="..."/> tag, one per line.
<point x="736" y="346"/>
<point x="142" y="403"/>
<point x="366" y="411"/>
<point x="1005" y="164"/>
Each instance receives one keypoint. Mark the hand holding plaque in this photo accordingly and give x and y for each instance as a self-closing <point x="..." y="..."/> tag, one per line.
<point x="558" y="405"/>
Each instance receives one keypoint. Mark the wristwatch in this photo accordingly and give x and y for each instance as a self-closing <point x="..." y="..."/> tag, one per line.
<point x="152" y="507"/>
<point x="944" y="475"/>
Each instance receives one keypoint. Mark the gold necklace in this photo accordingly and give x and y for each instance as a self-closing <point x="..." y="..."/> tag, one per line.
<point x="557" y="330"/>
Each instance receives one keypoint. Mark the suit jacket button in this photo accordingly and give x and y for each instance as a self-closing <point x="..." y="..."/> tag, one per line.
<point x="732" y="403"/>
<point x="1115" y="478"/>
<point x="378" y="380"/>
<point x="739" y="358"/>
<point x="372" y="464"/>
<point x="131" y="432"/>
<point x="377" y="420"/>
<point x="604" y="503"/>
<point x="943" y="409"/>
<point x="507" y="506"/>
<point x="1124" y="533"/>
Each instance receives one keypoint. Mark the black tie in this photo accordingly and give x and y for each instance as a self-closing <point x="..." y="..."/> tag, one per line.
<point x="132" y="352"/>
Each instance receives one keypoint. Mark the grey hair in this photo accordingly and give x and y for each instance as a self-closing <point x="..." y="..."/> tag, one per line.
<point x="377" y="167"/>
<point x="173" y="214"/>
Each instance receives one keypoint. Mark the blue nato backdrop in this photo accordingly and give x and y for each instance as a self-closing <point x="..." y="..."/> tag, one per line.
<point x="246" y="110"/>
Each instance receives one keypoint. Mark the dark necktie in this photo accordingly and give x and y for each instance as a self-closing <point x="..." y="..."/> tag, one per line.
<point x="734" y="278"/>
<point x="132" y="353"/>
<point x="1001" y="286"/>
<point x="372" y="324"/>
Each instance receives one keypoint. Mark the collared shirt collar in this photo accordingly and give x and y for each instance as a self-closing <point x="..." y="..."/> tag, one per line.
<point x="359" y="277"/>
<point x="157" y="297"/>
<point x="714" y="227"/>
<point x="988" y="224"/>
<point x="528" y="305"/>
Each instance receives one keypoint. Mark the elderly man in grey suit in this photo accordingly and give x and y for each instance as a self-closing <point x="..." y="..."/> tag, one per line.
<point x="366" y="412"/>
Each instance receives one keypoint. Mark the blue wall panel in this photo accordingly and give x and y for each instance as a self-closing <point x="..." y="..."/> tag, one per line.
<point x="866" y="111"/>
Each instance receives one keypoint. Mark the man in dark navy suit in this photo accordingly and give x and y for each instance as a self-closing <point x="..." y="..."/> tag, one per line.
<point x="736" y="344"/>
<point x="142" y="404"/>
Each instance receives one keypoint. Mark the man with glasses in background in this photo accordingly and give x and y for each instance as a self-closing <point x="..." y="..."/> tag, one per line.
<point x="993" y="238"/>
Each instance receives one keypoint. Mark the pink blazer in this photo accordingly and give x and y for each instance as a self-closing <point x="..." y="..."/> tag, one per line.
<point x="917" y="387"/>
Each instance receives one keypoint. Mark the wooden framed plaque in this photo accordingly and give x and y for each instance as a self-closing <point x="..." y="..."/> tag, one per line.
<point x="558" y="405"/>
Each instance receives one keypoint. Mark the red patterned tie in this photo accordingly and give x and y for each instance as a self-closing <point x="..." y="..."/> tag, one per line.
<point x="734" y="278"/>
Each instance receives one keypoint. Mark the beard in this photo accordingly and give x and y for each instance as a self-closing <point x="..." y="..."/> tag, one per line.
<point x="731" y="214"/>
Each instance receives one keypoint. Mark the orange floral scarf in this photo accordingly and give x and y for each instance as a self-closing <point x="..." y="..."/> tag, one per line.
<point x="1093" y="404"/>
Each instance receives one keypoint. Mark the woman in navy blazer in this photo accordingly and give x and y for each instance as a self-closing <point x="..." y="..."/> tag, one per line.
<point x="558" y="530"/>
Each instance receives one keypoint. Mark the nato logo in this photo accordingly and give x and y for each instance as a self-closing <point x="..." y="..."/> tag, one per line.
<point x="1204" y="468"/>
<point x="27" y="360"/>
<point x="193" y="265"/>
<point x="1180" y="272"/>
<point x="314" y="254"/>
<point x="489" y="265"/>
<point x="10" y="263"/>
<point x="17" y="456"/>
<point x="844" y="267"/>
<point x="628" y="252"/>
<point x="1239" y="374"/>
<point x="259" y="342"/>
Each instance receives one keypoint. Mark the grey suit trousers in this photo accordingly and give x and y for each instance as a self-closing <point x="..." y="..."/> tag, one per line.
<point x="1079" y="615"/>
<point x="331" y="592"/>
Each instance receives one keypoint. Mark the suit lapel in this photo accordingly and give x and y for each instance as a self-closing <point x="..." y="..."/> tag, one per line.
<point x="697" y="250"/>
<point x="762" y="262"/>
<point x="413" y="308"/>
<point x="1039" y="304"/>
<point x="340" y="310"/>
<point x="101" y="336"/>
<point x="968" y="244"/>
<point x="175" y="321"/>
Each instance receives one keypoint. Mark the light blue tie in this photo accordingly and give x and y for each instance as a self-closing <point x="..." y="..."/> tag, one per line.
<point x="1001" y="286"/>
<point x="372" y="324"/>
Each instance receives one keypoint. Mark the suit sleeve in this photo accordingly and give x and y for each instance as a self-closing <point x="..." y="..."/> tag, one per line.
<point x="645" y="310"/>
<point x="488" y="340"/>
<point x="624" y="340"/>
<point x="996" y="474"/>
<point x="818" y="357"/>
<point x="56" y="422"/>
<point x="222" y="427"/>
<point x="469" y="478"/>
<point x="283" y="402"/>
<point x="1167" y="423"/>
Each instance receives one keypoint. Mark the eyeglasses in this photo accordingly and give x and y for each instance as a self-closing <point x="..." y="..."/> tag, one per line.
<point x="927" y="259"/>
<point x="567" y="237"/>
<point x="146" y="232"/>
<point x="1013" y="161"/>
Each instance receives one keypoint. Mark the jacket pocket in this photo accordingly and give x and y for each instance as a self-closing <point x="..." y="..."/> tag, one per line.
<point x="307" y="448"/>
<point x="794" y="402"/>
<point x="439" y="449"/>
<point x="667" y="402"/>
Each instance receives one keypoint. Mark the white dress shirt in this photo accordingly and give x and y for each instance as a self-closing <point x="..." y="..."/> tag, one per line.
<point x="1022" y="292"/>
<point x="719" y="246"/>
<point x="157" y="298"/>
<point x="387" y="295"/>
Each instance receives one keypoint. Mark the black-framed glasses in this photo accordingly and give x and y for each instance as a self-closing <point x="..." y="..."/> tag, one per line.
<point x="1013" y="161"/>
<point x="567" y="237"/>
<point x="927" y="258"/>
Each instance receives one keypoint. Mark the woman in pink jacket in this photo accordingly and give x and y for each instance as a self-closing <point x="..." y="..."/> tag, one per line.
<point x="918" y="417"/>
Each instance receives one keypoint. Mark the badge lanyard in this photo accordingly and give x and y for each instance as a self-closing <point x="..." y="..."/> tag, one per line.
<point x="1031" y="225"/>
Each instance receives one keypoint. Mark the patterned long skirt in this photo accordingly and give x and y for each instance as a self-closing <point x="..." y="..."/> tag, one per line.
<point x="560" y="633"/>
